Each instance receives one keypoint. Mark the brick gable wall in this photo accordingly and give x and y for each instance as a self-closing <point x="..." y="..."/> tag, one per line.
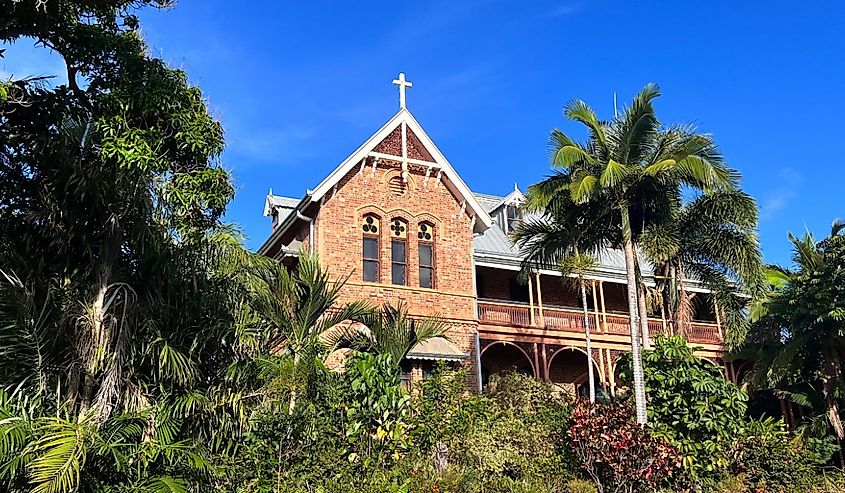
<point x="338" y="231"/>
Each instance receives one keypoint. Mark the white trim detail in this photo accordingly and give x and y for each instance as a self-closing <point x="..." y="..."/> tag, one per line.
<point x="404" y="116"/>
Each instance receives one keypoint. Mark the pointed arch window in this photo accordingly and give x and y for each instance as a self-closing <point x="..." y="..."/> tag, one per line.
<point x="398" y="252"/>
<point x="371" y="227"/>
<point x="425" y="250"/>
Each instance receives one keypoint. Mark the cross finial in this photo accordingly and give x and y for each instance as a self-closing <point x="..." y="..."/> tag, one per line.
<point x="402" y="83"/>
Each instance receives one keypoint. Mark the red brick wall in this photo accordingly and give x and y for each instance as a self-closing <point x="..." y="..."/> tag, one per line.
<point x="557" y="291"/>
<point x="494" y="283"/>
<point x="339" y="243"/>
<point x="615" y="297"/>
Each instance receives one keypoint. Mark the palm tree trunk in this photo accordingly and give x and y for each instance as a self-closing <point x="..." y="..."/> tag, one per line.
<point x="91" y="350"/>
<point x="633" y="316"/>
<point x="643" y="308"/>
<point x="590" y="377"/>
<point x="294" y="393"/>
<point x="672" y="301"/>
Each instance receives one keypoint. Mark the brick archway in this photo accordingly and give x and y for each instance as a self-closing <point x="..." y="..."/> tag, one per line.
<point x="567" y="369"/>
<point x="503" y="356"/>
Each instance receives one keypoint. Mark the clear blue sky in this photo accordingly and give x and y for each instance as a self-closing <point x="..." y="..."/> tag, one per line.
<point x="299" y="85"/>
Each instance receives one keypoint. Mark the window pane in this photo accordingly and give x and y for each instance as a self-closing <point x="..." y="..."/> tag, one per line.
<point x="397" y="249"/>
<point x="398" y="273"/>
<point x="425" y="277"/>
<point x="370" y="271"/>
<point x="425" y="254"/>
<point x="370" y="248"/>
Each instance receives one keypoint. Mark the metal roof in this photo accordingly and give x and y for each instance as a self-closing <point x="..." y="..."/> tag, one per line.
<point x="495" y="247"/>
<point x="277" y="201"/>
<point x="437" y="348"/>
<point x="488" y="202"/>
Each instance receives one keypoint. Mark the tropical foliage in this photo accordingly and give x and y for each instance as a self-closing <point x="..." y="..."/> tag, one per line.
<point x="691" y="405"/>
<point x="625" y="181"/>
<point x="618" y="454"/>
<point x="796" y="342"/>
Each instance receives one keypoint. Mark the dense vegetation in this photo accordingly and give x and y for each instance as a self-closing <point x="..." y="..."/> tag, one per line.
<point x="143" y="349"/>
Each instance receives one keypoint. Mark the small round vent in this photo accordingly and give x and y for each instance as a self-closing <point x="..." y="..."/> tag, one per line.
<point x="397" y="185"/>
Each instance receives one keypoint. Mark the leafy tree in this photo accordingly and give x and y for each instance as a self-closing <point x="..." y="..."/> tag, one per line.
<point x="796" y="339"/>
<point x="122" y="297"/>
<point x="631" y="169"/>
<point x="691" y="406"/>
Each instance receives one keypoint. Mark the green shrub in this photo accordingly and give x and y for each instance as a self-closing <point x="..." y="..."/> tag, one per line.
<point x="376" y="411"/>
<point x="730" y="484"/>
<point x="692" y="406"/>
<point x="771" y="459"/>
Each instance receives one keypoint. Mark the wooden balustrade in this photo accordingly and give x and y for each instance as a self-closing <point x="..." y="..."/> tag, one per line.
<point x="618" y="325"/>
<point x="572" y="320"/>
<point x="704" y="333"/>
<point x="568" y="320"/>
<point x="504" y="314"/>
<point x="655" y="328"/>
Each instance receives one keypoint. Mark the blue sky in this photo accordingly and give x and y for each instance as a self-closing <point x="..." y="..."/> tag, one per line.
<point x="299" y="85"/>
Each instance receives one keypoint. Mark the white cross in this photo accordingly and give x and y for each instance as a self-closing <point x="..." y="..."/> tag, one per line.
<point x="402" y="83"/>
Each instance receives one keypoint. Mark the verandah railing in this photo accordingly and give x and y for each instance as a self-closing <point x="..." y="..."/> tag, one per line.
<point x="572" y="320"/>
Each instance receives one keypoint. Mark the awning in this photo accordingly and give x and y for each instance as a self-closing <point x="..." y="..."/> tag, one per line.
<point x="437" y="348"/>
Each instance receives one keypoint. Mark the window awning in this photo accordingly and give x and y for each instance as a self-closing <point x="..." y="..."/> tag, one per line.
<point x="437" y="348"/>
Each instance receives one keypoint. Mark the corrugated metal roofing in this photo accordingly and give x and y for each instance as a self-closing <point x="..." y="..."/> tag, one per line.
<point x="487" y="201"/>
<point x="437" y="348"/>
<point x="286" y="202"/>
<point x="494" y="241"/>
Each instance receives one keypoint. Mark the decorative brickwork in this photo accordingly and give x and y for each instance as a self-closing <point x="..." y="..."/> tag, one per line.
<point x="392" y="145"/>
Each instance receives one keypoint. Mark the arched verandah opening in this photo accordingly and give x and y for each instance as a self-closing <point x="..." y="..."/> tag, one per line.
<point x="567" y="370"/>
<point x="502" y="357"/>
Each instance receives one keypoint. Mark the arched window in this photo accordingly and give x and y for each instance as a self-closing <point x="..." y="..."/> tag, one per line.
<point x="371" y="226"/>
<point x="398" y="251"/>
<point x="425" y="247"/>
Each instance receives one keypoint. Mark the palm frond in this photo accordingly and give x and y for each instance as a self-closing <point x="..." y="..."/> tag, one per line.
<point x="613" y="174"/>
<point x="565" y="152"/>
<point x="580" y="111"/>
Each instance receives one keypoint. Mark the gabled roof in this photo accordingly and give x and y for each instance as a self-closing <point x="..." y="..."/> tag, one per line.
<point x="279" y="202"/>
<point x="489" y="202"/>
<point x="454" y="181"/>
<point x="516" y="197"/>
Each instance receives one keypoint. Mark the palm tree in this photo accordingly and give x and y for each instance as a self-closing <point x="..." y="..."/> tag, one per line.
<point x="298" y="307"/>
<point x="562" y="239"/>
<point x="796" y="339"/>
<point x="633" y="168"/>
<point x="712" y="239"/>
<point x="579" y="264"/>
<point x="390" y="330"/>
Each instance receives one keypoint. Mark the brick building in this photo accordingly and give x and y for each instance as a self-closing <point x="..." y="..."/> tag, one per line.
<point x="397" y="217"/>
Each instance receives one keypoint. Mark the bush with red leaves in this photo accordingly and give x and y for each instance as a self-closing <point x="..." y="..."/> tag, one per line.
<point x="618" y="454"/>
